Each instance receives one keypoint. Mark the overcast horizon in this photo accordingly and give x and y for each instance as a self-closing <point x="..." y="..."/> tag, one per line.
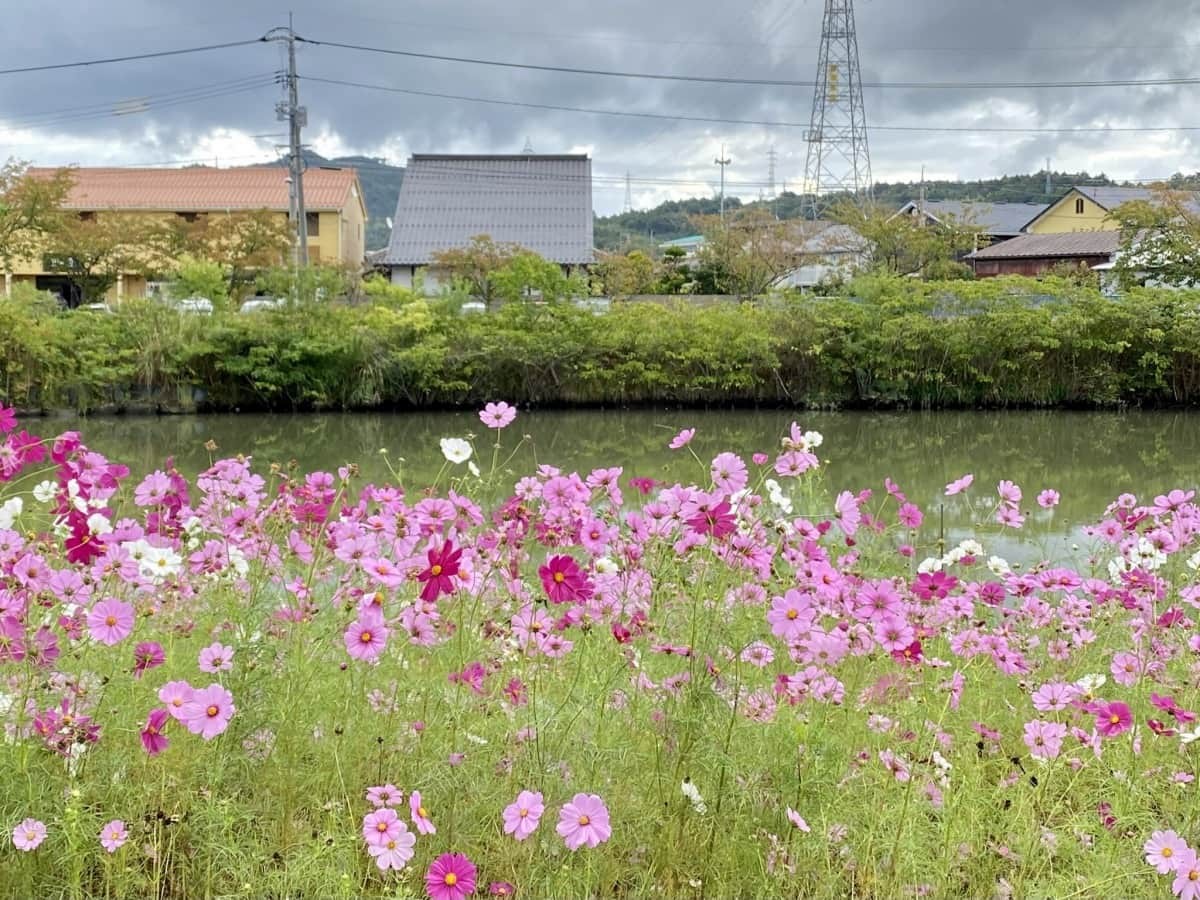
<point x="218" y="106"/>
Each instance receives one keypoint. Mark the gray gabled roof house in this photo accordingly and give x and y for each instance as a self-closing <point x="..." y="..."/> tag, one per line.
<point x="542" y="202"/>
<point x="998" y="221"/>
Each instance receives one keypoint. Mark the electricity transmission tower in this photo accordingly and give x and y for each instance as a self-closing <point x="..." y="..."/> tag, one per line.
<point x="838" y="159"/>
<point x="772" y="156"/>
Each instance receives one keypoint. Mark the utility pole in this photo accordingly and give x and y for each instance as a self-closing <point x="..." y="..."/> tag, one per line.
<point x="296" y="116"/>
<point x="921" y="199"/>
<point x="1047" y="176"/>
<point x="628" y="192"/>
<point x="722" y="161"/>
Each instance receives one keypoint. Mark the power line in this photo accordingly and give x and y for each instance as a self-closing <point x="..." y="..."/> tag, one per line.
<point x="130" y="58"/>
<point x="771" y="82"/>
<point x="1098" y="129"/>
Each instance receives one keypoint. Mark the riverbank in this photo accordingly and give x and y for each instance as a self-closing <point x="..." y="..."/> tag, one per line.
<point x="880" y="344"/>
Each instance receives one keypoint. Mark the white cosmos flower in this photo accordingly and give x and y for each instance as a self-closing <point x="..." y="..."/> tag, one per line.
<point x="1089" y="684"/>
<point x="813" y="439"/>
<point x="456" y="450"/>
<point x="10" y="511"/>
<point x="45" y="491"/>
<point x="1193" y="562"/>
<point x="98" y="524"/>
<point x="80" y="503"/>
<point x="693" y="794"/>
<point x="930" y="564"/>
<point x="606" y="566"/>
<point x="472" y="468"/>
<point x="1189" y="737"/>
<point x="999" y="565"/>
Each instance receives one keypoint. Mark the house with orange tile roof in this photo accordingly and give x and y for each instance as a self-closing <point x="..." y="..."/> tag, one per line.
<point x="336" y="211"/>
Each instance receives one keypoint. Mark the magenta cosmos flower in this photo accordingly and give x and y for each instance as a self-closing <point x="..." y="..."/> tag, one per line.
<point x="1164" y="850"/>
<point x="450" y="877"/>
<point x="113" y="836"/>
<point x="438" y="578"/>
<point x="1113" y="719"/>
<point x="147" y="655"/>
<point x="497" y="415"/>
<point x="522" y="817"/>
<point x="110" y="621"/>
<point x="564" y="581"/>
<point x="28" y="835"/>
<point x="584" y="821"/>
<point x="1048" y="498"/>
<point x="367" y="636"/>
<point x="154" y="741"/>
<point x="420" y="815"/>
<point x="208" y="712"/>
<point x="216" y="657"/>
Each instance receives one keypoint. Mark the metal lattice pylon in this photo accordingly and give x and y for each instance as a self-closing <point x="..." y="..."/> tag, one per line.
<point x="838" y="159"/>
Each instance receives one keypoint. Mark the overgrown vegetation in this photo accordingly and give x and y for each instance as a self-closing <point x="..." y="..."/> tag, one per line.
<point x="881" y="342"/>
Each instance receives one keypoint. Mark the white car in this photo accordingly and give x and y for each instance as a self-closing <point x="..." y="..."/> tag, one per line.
<point x="200" y="306"/>
<point x="256" y="303"/>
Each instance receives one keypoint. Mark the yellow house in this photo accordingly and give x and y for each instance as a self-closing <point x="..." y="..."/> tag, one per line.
<point x="336" y="212"/>
<point x="1086" y="209"/>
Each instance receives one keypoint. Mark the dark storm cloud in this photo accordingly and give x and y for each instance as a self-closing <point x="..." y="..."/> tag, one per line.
<point x="917" y="40"/>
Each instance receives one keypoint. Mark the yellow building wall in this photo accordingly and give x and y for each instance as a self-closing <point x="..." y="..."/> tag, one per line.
<point x="1062" y="218"/>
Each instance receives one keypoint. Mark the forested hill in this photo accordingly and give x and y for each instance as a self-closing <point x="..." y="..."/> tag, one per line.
<point x="643" y="228"/>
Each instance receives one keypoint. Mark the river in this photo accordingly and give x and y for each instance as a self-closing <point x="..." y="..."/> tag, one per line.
<point x="1088" y="457"/>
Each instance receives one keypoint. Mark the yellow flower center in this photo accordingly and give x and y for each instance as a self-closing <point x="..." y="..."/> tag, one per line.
<point x="559" y="577"/>
<point x="584" y="820"/>
<point x="435" y="569"/>
<point x="177" y="701"/>
<point x="30" y="835"/>
<point x="391" y="845"/>
<point x="110" y="621"/>
<point x="212" y="711"/>
<point x="381" y="827"/>
<point x="421" y="812"/>
<point x="792" y="614"/>
<point x="1114" y="719"/>
<point x="451" y="879"/>
<point x="1167" y="852"/>
<point x="524" y="813"/>
<point x="1193" y="875"/>
<point x="365" y="637"/>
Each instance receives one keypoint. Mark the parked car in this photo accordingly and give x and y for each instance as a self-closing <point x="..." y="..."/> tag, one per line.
<point x="256" y="303"/>
<point x="96" y="307"/>
<point x="201" y="306"/>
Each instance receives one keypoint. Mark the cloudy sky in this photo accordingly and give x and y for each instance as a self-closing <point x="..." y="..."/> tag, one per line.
<point x="220" y="105"/>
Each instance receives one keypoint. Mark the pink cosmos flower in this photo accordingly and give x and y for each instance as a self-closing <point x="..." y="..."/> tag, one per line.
<point x="113" y="836"/>
<point x="910" y="516"/>
<point x="497" y="415"/>
<point x="208" y="712"/>
<point x="791" y="616"/>
<point x="110" y="621"/>
<point x="450" y="877"/>
<point x="682" y="439"/>
<point x="522" y="817"/>
<point x="29" y="835"/>
<point x="729" y="472"/>
<point x="796" y="819"/>
<point x="174" y="694"/>
<point x="381" y="826"/>
<point x="216" y="657"/>
<point x="1048" y="498"/>
<point x="1009" y="492"/>
<point x="384" y="795"/>
<point x="1044" y="739"/>
<point x="1113" y="719"/>
<point x="502" y="889"/>
<point x="8" y="419"/>
<point x="1187" y="876"/>
<point x="419" y="815"/>
<point x="1164" y="850"/>
<point x="584" y="821"/>
<point x="154" y="741"/>
<point x="395" y="852"/>
<point x="959" y="485"/>
<point x="849" y="517"/>
<point x="366" y="637"/>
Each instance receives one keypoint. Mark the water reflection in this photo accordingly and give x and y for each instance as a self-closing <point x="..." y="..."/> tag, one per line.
<point x="1088" y="457"/>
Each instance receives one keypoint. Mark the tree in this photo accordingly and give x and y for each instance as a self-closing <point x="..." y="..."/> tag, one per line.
<point x="527" y="276"/>
<point x="749" y="253"/>
<point x="621" y="276"/>
<point x="200" y="278"/>
<point x="30" y="209"/>
<point x="673" y="272"/>
<point x="476" y="264"/>
<point x="905" y="245"/>
<point x="242" y="243"/>
<point x="1160" y="240"/>
<point x="94" y="249"/>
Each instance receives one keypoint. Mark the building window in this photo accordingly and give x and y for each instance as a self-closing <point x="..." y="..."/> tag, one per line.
<point x="87" y="217"/>
<point x="312" y="223"/>
<point x="1079" y="206"/>
<point x="188" y="217"/>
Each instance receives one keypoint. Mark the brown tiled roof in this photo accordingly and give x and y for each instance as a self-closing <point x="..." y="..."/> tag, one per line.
<point x="1067" y="244"/>
<point x="200" y="188"/>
